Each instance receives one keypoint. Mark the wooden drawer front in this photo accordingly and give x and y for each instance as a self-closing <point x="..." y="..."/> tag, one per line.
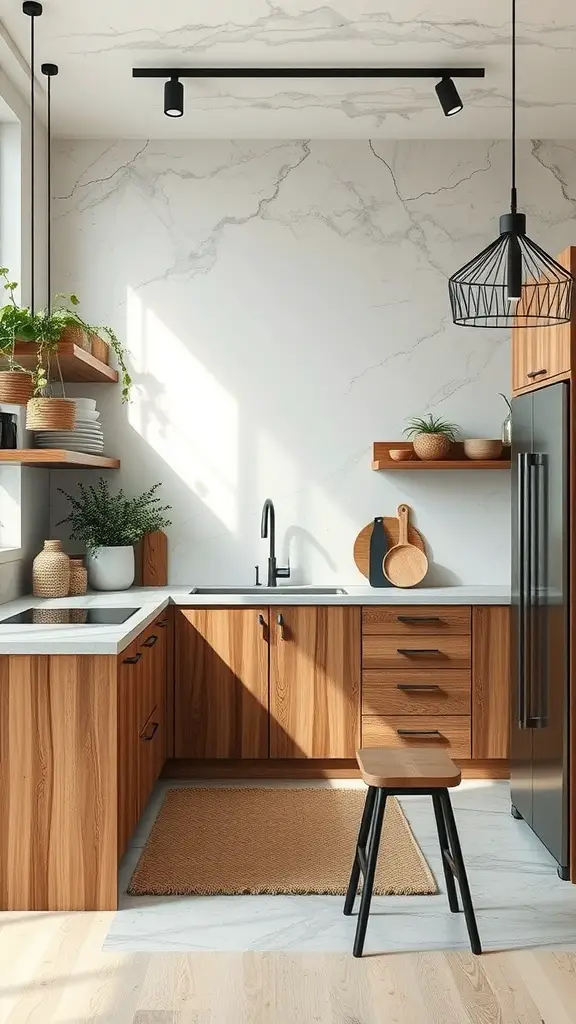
<point x="408" y="620"/>
<point x="450" y="732"/>
<point x="416" y="652"/>
<point x="433" y="692"/>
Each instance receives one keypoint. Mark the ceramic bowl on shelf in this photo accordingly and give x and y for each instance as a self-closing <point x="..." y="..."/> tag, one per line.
<point x="482" y="448"/>
<point x="85" y="403"/>
<point x="401" y="454"/>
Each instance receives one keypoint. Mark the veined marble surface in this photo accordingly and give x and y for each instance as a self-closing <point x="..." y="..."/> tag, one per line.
<point x="150" y="601"/>
<point x="519" y="900"/>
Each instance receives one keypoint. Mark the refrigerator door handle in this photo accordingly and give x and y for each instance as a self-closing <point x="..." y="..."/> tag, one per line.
<point x="539" y="714"/>
<point x="524" y="544"/>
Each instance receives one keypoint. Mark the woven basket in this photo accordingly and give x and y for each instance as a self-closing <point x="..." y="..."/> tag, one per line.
<point x="16" y="388"/>
<point x="51" y="571"/>
<point x="431" y="446"/>
<point x="51" y="414"/>
<point x="76" y="335"/>
<point x="78" y="578"/>
<point x="100" y="349"/>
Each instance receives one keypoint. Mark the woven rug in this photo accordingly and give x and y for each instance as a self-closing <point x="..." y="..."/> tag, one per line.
<point x="225" y="841"/>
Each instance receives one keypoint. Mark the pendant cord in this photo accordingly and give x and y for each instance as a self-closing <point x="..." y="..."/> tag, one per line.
<point x="513" y="198"/>
<point x="32" y="170"/>
<point x="49" y="196"/>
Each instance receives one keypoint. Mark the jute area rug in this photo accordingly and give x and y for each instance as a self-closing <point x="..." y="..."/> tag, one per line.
<point x="232" y="841"/>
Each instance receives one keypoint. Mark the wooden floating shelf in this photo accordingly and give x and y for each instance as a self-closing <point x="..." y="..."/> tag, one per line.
<point x="457" y="460"/>
<point x="77" y="365"/>
<point x="55" y="458"/>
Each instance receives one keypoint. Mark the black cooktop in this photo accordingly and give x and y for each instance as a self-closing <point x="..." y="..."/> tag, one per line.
<point x="70" y="616"/>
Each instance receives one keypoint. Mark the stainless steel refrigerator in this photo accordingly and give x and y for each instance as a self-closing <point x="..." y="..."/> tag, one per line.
<point x="540" y="616"/>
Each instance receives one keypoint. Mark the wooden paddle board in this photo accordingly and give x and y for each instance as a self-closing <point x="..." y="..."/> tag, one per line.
<point x="405" y="565"/>
<point x="362" y="542"/>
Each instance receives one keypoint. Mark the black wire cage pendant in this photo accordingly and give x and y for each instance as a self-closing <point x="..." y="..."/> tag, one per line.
<point x="512" y="282"/>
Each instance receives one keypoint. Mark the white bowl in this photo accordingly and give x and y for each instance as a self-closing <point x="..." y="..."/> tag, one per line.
<point x="86" y="415"/>
<point x="85" y="403"/>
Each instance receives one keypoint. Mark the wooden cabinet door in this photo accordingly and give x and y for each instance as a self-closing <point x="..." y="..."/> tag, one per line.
<point x="315" y="665"/>
<point x="221" y="683"/>
<point x="490" y="682"/>
<point x="539" y="353"/>
<point x="130" y="683"/>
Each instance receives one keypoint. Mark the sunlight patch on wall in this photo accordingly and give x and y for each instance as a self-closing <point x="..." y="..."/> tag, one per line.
<point x="182" y="411"/>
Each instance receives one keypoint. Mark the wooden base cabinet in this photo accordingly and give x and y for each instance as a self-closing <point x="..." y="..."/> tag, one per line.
<point x="80" y="751"/>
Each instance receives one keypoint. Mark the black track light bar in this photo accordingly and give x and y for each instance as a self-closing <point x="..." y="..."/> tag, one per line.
<point x="315" y="72"/>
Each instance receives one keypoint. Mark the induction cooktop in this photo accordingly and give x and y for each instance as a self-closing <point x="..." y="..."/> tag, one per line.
<point x="70" y="616"/>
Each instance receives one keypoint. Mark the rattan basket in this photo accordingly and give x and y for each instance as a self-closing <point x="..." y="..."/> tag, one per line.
<point x="51" y="414"/>
<point x="16" y="388"/>
<point x="100" y="348"/>
<point x="76" y="335"/>
<point x="431" y="446"/>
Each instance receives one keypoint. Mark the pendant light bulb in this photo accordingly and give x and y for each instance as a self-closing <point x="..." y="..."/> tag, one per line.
<point x="449" y="97"/>
<point x="174" y="98"/>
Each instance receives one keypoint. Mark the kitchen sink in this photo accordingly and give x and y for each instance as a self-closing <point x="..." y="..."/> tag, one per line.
<point x="275" y="591"/>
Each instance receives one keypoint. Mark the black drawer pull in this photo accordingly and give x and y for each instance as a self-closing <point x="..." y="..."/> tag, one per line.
<point x="407" y="651"/>
<point x="162" y="623"/>
<point x="133" y="660"/>
<point x="418" y="618"/>
<point x="153" y="727"/>
<point x="536" y="373"/>
<point x="417" y="686"/>
<point x="150" y="641"/>
<point x="419" y="732"/>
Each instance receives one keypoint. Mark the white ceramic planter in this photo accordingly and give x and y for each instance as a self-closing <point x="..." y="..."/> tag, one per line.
<point x="111" y="568"/>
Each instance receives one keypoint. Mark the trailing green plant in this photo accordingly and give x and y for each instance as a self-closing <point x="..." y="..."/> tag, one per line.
<point x="431" y="425"/>
<point x="507" y="400"/>
<point x="100" y="519"/>
<point x="44" y="328"/>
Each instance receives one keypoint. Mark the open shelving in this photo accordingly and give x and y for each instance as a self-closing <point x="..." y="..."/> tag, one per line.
<point x="55" y="458"/>
<point x="78" y="366"/>
<point x="456" y="460"/>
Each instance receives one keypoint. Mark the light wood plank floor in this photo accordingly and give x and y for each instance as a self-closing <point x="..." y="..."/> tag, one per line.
<point x="53" y="971"/>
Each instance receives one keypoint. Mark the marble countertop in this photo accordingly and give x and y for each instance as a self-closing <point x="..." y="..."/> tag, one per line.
<point x="150" y="601"/>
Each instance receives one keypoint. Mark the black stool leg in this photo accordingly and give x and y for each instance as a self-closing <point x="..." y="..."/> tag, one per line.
<point x="366" y="899"/>
<point x="460" y="871"/>
<point x="445" y="850"/>
<point x="363" y="835"/>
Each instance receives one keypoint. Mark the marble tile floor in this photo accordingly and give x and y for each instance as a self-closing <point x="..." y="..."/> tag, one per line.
<point x="520" y="901"/>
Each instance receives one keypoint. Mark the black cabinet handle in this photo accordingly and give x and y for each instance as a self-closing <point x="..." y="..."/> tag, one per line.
<point x="408" y="651"/>
<point x="418" y="618"/>
<point x="417" y="686"/>
<point x="150" y="641"/>
<point x="280" y="622"/>
<point x="133" y="660"/>
<point x="263" y="624"/>
<point x="149" y="735"/>
<point x="419" y="732"/>
<point x="536" y="373"/>
<point x="162" y="623"/>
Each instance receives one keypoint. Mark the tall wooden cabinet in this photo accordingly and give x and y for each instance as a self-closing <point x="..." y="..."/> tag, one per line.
<point x="542" y="355"/>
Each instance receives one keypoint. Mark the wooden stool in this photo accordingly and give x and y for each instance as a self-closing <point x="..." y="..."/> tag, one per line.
<point x="424" y="772"/>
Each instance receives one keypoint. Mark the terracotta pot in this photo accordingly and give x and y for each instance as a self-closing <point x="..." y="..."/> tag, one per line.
<point x="76" y="335"/>
<point x="100" y="349"/>
<point x="51" y="571"/>
<point x="78" y="578"/>
<point x="51" y="414"/>
<point x="431" y="446"/>
<point x="15" y="387"/>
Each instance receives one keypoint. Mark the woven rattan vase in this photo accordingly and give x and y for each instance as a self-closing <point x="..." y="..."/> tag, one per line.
<point x="51" y="571"/>
<point x="76" y="335"/>
<point x="431" y="446"/>
<point x="78" y="578"/>
<point x="16" y="388"/>
<point x="50" y="414"/>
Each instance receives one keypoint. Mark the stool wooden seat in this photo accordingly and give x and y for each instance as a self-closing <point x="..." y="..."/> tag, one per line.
<point x="389" y="768"/>
<point x="408" y="772"/>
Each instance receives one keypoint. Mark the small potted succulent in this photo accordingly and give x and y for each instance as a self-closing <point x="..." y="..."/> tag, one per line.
<point x="109" y="525"/>
<point x="431" y="436"/>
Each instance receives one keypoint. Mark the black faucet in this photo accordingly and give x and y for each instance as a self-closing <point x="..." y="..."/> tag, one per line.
<point x="268" y="527"/>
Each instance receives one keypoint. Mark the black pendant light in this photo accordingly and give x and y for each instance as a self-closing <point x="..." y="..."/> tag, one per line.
<point x="50" y="70"/>
<point x="33" y="10"/>
<point x="513" y="282"/>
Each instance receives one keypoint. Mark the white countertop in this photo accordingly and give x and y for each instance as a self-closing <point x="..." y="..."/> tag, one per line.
<point x="150" y="601"/>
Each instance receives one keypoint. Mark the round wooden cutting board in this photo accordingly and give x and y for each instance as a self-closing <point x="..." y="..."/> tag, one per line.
<point x="362" y="542"/>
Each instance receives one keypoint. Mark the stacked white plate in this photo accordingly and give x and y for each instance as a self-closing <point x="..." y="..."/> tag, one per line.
<point x="86" y="436"/>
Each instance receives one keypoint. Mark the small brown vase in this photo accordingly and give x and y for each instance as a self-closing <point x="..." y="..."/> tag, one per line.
<point x="16" y="387"/>
<point x="429" y="447"/>
<point x="51" y="414"/>
<point x="78" y="578"/>
<point x="51" y="571"/>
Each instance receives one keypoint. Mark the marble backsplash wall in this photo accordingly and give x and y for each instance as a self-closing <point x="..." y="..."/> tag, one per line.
<point x="284" y="305"/>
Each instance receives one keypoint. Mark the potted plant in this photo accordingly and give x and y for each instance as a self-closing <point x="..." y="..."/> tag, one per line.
<point x="109" y="525"/>
<point x="431" y="436"/>
<point x="16" y="383"/>
<point x="75" y="328"/>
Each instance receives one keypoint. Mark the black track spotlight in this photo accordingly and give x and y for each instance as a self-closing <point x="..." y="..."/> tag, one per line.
<point x="448" y="95"/>
<point x="174" y="98"/>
